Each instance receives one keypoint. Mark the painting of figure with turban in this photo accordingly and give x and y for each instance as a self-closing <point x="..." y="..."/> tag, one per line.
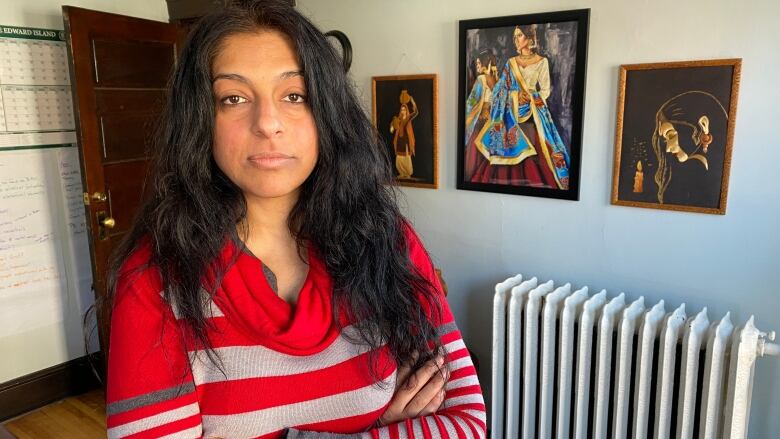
<point x="674" y="134"/>
<point x="521" y="117"/>
<point x="404" y="114"/>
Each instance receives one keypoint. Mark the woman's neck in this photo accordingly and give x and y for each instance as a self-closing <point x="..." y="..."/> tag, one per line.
<point x="266" y="220"/>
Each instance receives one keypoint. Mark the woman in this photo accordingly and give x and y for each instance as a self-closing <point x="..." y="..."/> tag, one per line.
<point x="403" y="138"/>
<point x="689" y="131"/>
<point x="478" y="105"/>
<point x="520" y="145"/>
<point x="270" y="286"/>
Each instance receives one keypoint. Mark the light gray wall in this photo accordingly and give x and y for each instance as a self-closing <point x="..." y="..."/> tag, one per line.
<point x="47" y="14"/>
<point x="722" y="262"/>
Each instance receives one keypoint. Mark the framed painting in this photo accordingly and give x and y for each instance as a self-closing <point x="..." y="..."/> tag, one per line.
<point x="675" y="128"/>
<point x="521" y="96"/>
<point x="404" y="111"/>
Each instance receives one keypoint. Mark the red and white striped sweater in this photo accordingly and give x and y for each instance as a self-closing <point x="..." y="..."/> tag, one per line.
<point x="288" y="370"/>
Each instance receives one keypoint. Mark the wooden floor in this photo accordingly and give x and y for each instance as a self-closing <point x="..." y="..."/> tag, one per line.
<point x="82" y="416"/>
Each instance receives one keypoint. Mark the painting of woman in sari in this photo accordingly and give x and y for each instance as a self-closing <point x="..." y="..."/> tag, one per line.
<point x="479" y="102"/>
<point x="520" y="144"/>
<point x="521" y="105"/>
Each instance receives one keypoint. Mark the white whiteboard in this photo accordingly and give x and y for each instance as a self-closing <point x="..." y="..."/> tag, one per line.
<point x="42" y="237"/>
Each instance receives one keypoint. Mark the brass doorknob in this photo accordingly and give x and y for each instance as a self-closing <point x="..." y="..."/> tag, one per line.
<point x="108" y="223"/>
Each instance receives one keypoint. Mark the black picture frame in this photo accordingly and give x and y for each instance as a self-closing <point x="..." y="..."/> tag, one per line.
<point x="559" y="179"/>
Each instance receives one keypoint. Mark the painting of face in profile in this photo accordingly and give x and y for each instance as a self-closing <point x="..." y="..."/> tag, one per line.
<point x="404" y="112"/>
<point x="675" y="127"/>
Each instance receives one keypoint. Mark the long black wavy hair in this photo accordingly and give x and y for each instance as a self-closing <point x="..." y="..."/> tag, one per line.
<point x="346" y="209"/>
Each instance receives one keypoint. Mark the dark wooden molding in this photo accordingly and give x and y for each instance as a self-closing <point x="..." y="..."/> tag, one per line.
<point x="37" y="389"/>
<point x="182" y="10"/>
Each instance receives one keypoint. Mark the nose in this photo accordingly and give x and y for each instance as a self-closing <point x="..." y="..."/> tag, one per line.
<point x="267" y="118"/>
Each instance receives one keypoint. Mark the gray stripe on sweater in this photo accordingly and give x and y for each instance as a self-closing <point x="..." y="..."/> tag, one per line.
<point x="149" y="398"/>
<point x="298" y="434"/>
<point x="446" y="328"/>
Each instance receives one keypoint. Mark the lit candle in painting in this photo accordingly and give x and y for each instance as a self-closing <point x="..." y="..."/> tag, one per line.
<point x="639" y="178"/>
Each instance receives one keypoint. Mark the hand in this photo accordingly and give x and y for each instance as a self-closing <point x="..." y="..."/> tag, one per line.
<point x="418" y="394"/>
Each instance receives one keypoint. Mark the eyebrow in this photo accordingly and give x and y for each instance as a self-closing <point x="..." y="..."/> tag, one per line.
<point x="236" y="77"/>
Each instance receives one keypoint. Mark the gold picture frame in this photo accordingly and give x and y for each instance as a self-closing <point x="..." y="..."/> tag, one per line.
<point x="683" y="113"/>
<point x="404" y="110"/>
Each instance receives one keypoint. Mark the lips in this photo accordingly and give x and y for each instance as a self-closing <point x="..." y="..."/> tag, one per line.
<point x="270" y="160"/>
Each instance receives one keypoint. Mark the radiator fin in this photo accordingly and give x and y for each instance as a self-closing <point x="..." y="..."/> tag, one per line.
<point x="548" y="381"/>
<point x="628" y="329"/>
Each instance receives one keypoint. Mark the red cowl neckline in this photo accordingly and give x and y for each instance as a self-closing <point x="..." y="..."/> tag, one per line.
<point x="249" y="303"/>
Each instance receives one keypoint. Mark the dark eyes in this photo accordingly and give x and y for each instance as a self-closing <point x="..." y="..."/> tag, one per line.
<point x="293" y="98"/>
<point x="233" y="100"/>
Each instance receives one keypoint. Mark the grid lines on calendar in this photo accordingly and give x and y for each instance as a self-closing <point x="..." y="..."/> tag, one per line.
<point x="35" y="92"/>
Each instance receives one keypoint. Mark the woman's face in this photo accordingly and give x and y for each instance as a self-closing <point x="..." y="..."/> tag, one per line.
<point x="520" y="40"/>
<point x="265" y="137"/>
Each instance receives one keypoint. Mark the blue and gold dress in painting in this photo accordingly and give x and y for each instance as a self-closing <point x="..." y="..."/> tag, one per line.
<point x="520" y="144"/>
<point x="477" y="115"/>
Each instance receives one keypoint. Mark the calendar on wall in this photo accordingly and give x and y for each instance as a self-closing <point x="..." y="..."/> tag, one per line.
<point x="35" y="94"/>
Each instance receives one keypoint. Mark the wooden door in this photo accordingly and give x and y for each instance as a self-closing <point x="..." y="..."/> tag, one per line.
<point x="120" y="67"/>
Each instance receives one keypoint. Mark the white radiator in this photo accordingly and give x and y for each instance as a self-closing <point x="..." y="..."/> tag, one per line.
<point x="568" y="364"/>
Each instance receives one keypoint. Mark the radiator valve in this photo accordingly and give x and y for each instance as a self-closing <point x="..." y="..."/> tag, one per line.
<point x="765" y="348"/>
